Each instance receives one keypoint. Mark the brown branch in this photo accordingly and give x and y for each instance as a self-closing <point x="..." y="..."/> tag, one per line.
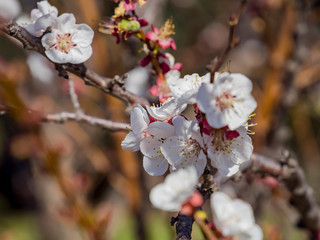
<point x="93" y="121"/>
<point x="232" y="42"/>
<point x="288" y="171"/>
<point x="113" y="86"/>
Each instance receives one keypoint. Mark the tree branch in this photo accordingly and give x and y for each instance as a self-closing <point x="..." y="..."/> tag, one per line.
<point x="287" y="171"/>
<point x="93" y="121"/>
<point x="232" y="42"/>
<point x="113" y="86"/>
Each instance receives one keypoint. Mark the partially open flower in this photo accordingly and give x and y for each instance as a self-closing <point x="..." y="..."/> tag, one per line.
<point x="175" y="190"/>
<point x="68" y="42"/>
<point x="234" y="218"/>
<point x="42" y="17"/>
<point x="162" y="35"/>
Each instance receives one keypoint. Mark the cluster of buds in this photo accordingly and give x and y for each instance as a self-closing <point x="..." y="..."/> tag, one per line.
<point x="124" y="22"/>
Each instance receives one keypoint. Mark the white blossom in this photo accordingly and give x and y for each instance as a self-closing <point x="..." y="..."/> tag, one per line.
<point x="234" y="218"/>
<point x="186" y="147"/>
<point x="166" y="110"/>
<point x="9" y="9"/>
<point x="41" y="18"/>
<point x="175" y="190"/>
<point x="228" y="149"/>
<point x="139" y="120"/>
<point x="68" y="42"/>
<point x="185" y="89"/>
<point x="228" y="101"/>
<point x="154" y="162"/>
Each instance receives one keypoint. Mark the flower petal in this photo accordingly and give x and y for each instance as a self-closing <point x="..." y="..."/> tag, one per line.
<point x="155" y="166"/>
<point x="131" y="142"/>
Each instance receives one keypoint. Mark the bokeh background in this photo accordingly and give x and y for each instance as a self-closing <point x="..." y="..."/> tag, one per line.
<point x="73" y="181"/>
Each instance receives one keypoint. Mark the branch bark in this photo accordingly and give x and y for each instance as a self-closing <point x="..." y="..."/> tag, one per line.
<point x="232" y="42"/>
<point x="93" y="121"/>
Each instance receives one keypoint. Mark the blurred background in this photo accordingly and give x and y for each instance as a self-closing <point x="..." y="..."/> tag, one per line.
<point x="74" y="181"/>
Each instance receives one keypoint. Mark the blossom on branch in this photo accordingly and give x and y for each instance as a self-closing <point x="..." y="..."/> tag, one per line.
<point x="162" y="36"/>
<point x="68" y="42"/>
<point x="227" y="149"/>
<point x="234" y="218"/>
<point x="227" y="101"/>
<point x="176" y="189"/>
<point x="41" y="18"/>
<point x="186" y="147"/>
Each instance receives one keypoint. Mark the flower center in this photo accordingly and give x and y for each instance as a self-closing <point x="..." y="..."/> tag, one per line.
<point x="166" y="30"/>
<point x="223" y="138"/>
<point x="64" y="43"/>
<point x="224" y="101"/>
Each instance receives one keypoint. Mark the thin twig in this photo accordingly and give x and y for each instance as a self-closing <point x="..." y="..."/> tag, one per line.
<point x="113" y="86"/>
<point x="74" y="98"/>
<point x="93" y="121"/>
<point x="232" y="42"/>
<point x="205" y="229"/>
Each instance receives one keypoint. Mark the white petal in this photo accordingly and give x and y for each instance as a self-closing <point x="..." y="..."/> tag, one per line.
<point x="131" y="142"/>
<point x="48" y="40"/>
<point x="172" y="149"/>
<point x="155" y="166"/>
<point x="223" y="163"/>
<point x="66" y="21"/>
<point x="45" y="8"/>
<point x="204" y="98"/>
<point x="185" y="89"/>
<point x="82" y="35"/>
<point x="161" y="130"/>
<point x="255" y="233"/>
<point x="150" y="147"/>
<point x="162" y="200"/>
<point x="79" y="54"/>
<point x="216" y="119"/>
<point x="172" y="75"/>
<point x="139" y="119"/>
<point x="57" y="56"/>
<point x="167" y="110"/>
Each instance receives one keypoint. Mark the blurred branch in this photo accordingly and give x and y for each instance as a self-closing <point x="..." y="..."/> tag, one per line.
<point x="113" y="86"/>
<point x="288" y="171"/>
<point x="232" y="42"/>
<point x="74" y="97"/>
<point x="93" y="121"/>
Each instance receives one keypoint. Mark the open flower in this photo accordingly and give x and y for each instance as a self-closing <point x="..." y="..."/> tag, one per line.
<point x="139" y="123"/>
<point x="42" y="17"/>
<point x="228" y="149"/>
<point x="175" y="190"/>
<point x="234" y="218"/>
<point x="166" y="110"/>
<point x="186" y="147"/>
<point x="154" y="162"/>
<point x="185" y="89"/>
<point x="228" y="101"/>
<point x="68" y="42"/>
<point x="162" y="35"/>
